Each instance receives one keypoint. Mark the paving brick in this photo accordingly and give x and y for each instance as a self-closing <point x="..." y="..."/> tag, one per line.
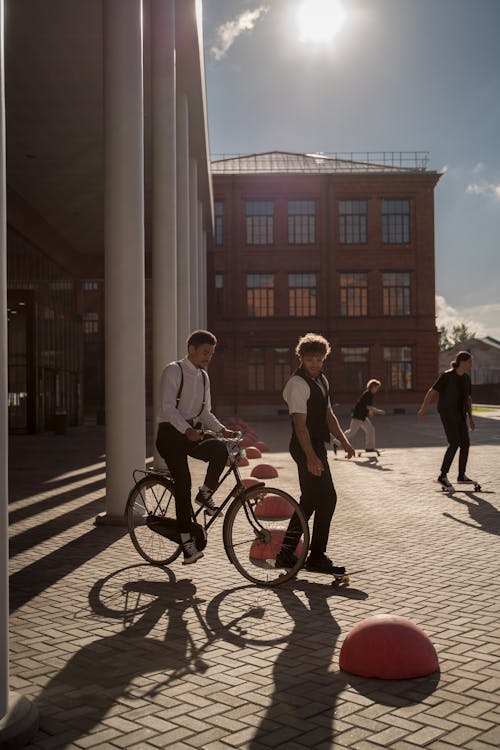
<point x="119" y="654"/>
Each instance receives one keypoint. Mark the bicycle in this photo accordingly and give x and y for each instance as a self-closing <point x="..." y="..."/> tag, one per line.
<point x="254" y="525"/>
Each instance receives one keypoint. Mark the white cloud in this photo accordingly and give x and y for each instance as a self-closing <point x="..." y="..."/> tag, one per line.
<point x="449" y="316"/>
<point x="479" y="167"/>
<point x="228" y="32"/>
<point x="488" y="189"/>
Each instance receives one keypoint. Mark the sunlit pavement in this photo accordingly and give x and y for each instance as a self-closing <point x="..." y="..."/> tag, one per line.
<point x="117" y="653"/>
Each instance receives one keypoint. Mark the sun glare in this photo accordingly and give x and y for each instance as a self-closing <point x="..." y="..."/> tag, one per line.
<point x="320" y="20"/>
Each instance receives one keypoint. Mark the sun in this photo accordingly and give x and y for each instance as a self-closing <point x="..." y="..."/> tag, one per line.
<point x="320" y="20"/>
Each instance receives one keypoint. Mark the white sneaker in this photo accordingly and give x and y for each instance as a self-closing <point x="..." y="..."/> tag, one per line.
<point x="207" y="503"/>
<point x="191" y="552"/>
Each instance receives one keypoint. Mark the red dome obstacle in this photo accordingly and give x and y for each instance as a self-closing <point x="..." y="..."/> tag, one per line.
<point x="269" y="550"/>
<point x="264" y="471"/>
<point x="261" y="446"/>
<point x="388" y="647"/>
<point x="253" y="452"/>
<point x="273" y="506"/>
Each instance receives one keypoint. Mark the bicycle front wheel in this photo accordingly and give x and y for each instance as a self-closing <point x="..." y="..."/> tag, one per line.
<point x="254" y="530"/>
<point x="152" y="521"/>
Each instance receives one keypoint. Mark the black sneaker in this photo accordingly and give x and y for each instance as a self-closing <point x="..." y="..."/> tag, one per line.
<point x="465" y="479"/>
<point x="444" y="481"/>
<point x="207" y="503"/>
<point x="323" y="564"/>
<point x="191" y="553"/>
<point x="286" y="558"/>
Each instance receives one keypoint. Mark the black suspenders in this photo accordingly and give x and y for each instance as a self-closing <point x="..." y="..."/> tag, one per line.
<point x="181" y="385"/>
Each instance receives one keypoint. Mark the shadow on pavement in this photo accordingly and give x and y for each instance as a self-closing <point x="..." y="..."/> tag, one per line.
<point x="27" y="583"/>
<point x="483" y="513"/>
<point x="395" y="693"/>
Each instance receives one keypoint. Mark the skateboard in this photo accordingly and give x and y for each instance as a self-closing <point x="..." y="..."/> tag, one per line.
<point x="377" y="452"/>
<point x="470" y="487"/>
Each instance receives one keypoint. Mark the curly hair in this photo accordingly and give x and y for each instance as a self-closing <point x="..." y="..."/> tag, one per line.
<point x="312" y="343"/>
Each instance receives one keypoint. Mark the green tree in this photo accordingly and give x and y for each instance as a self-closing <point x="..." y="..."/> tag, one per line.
<point x="458" y="334"/>
<point x="461" y="333"/>
<point x="444" y="339"/>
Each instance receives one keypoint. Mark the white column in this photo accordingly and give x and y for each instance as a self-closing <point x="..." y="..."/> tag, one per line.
<point x="4" y="465"/>
<point x="183" y="217"/>
<point x="164" y="190"/>
<point x="202" y="264"/>
<point x="204" y="320"/>
<point x="193" y="244"/>
<point x="18" y="715"/>
<point x="123" y="250"/>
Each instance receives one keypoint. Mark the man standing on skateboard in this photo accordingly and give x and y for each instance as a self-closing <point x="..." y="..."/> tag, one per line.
<point x="313" y="420"/>
<point x="453" y="391"/>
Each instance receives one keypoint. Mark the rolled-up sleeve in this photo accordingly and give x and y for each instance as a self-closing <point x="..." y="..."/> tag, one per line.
<point x="207" y="419"/>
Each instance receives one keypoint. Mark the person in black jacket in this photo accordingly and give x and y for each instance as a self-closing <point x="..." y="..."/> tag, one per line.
<point x="453" y="391"/>
<point x="308" y="398"/>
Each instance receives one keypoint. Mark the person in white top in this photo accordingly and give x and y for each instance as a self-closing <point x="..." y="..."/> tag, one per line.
<point x="185" y="408"/>
<point x="313" y="421"/>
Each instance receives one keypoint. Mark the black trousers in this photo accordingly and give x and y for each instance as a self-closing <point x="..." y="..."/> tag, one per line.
<point x="457" y="435"/>
<point x="175" y="448"/>
<point x="318" y="496"/>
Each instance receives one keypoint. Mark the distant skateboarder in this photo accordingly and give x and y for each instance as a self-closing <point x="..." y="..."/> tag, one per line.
<point x="453" y="391"/>
<point x="363" y="410"/>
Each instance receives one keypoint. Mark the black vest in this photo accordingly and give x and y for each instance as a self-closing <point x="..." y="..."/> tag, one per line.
<point x="317" y="405"/>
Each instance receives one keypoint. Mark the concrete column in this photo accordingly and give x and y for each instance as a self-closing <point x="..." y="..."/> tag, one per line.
<point x="18" y="715"/>
<point x="123" y="251"/>
<point x="4" y="441"/>
<point x="202" y="268"/>
<point x="194" y="250"/>
<point x="183" y="217"/>
<point x="164" y="194"/>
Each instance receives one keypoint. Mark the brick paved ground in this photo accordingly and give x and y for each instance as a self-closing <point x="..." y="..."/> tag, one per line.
<point x="118" y="654"/>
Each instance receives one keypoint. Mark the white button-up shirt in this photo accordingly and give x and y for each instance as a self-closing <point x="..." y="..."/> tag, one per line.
<point x="194" y="389"/>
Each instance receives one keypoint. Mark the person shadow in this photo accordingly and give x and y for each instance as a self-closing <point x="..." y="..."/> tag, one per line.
<point x="305" y="688"/>
<point x="484" y="515"/>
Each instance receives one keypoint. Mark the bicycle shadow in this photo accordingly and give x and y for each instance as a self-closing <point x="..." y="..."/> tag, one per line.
<point x="102" y="672"/>
<point x="485" y="514"/>
<point x="127" y="666"/>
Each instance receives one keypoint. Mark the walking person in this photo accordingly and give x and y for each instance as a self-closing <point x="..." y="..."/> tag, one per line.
<point x="185" y="408"/>
<point x="453" y="392"/>
<point x="313" y="421"/>
<point x="363" y="410"/>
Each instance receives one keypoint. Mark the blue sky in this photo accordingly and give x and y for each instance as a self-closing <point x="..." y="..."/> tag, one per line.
<point x="397" y="75"/>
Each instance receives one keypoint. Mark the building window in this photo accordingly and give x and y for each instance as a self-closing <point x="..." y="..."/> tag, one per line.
<point x="281" y="365"/>
<point x="256" y="369"/>
<point x="396" y="293"/>
<point x="219" y="216"/>
<point x="259" y="217"/>
<point x="302" y="295"/>
<point x="90" y="323"/>
<point x="396" y="221"/>
<point x="352" y="222"/>
<point x="354" y="294"/>
<point x="260" y="295"/>
<point x="90" y="286"/>
<point x="355" y="366"/>
<point x="219" y="295"/>
<point x="398" y="368"/>
<point x="301" y="222"/>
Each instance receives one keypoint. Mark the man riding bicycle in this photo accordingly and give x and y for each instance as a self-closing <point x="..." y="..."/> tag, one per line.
<point x="185" y="408"/>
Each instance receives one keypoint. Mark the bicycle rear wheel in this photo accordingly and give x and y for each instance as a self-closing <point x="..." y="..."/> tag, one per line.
<point x="152" y="521"/>
<point x="254" y="528"/>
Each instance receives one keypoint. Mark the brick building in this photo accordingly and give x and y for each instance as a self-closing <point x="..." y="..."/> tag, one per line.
<point x="339" y="246"/>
